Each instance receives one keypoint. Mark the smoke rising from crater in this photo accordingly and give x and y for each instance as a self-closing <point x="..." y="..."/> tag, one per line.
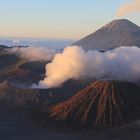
<point x="134" y="6"/>
<point x="75" y="63"/>
<point x="33" y="53"/>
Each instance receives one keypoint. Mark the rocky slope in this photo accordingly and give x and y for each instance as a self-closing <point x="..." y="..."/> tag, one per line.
<point x="20" y="71"/>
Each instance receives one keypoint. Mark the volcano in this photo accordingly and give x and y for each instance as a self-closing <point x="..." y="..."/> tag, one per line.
<point x="103" y="104"/>
<point x="117" y="33"/>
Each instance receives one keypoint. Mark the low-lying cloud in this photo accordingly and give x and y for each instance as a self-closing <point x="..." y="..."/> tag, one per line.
<point x="75" y="63"/>
<point x="124" y="9"/>
<point x="32" y="53"/>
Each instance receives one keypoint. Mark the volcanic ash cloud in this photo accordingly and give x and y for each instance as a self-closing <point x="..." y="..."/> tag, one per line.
<point x="127" y="8"/>
<point x="75" y="63"/>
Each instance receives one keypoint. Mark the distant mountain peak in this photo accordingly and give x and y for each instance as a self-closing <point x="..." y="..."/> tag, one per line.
<point x="120" y="21"/>
<point x="121" y="24"/>
<point x="120" y="32"/>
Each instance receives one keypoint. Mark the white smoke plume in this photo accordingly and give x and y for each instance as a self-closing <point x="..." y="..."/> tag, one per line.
<point x="124" y="9"/>
<point x="75" y="63"/>
<point x="33" y="53"/>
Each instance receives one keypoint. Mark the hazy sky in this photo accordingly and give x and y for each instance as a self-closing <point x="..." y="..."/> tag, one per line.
<point x="58" y="18"/>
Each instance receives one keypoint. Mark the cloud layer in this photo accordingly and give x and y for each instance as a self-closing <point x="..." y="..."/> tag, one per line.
<point x="75" y="63"/>
<point x="134" y="6"/>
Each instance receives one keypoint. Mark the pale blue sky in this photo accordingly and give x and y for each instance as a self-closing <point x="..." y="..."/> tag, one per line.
<point x="57" y="18"/>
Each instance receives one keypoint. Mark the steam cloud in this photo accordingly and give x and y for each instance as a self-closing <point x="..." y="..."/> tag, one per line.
<point x="32" y="53"/>
<point x="75" y="63"/>
<point x="128" y="8"/>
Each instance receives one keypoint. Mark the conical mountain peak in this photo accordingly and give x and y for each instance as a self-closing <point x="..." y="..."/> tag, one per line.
<point x="120" y="32"/>
<point x="103" y="104"/>
<point x="121" y="25"/>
